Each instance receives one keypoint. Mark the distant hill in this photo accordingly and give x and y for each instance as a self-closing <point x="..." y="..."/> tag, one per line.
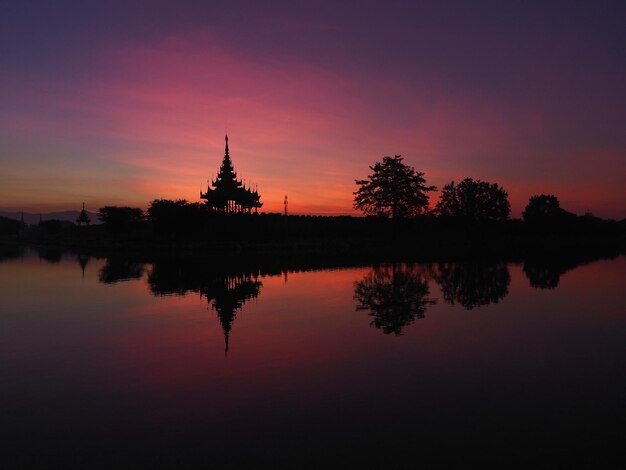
<point x="31" y="219"/>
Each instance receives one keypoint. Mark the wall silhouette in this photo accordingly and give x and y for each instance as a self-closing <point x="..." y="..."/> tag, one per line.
<point x="394" y="296"/>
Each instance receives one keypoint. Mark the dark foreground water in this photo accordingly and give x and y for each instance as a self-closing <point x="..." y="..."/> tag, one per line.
<point x="108" y="363"/>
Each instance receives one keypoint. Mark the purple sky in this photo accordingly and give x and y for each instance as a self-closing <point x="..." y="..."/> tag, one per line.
<point x="124" y="102"/>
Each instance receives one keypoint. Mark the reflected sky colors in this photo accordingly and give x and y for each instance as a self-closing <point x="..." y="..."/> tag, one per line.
<point x="117" y="103"/>
<point x="118" y="371"/>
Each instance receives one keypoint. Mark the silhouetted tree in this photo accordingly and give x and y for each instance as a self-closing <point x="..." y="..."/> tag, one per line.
<point x="393" y="190"/>
<point x="394" y="295"/>
<point x="474" y="200"/>
<point x="543" y="208"/>
<point x="472" y="283"/>
<point x="120" y="219"/>
<point x="176" y="217"/>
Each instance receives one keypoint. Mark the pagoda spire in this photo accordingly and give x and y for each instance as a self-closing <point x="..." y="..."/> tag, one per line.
<point x="83" y="217"/>
<point x="230" y="195"/>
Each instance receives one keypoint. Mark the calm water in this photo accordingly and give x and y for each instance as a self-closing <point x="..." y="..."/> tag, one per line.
<point x="107" y="362"/>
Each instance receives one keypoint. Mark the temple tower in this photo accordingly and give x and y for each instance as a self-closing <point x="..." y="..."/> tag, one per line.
<point x="229" y="195"/>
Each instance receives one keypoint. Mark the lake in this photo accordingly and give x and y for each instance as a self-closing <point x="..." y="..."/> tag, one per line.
<point x="112" y="363"/>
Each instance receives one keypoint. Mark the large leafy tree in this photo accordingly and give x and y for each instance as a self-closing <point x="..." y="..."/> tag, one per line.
<point x="474" y="200"/>
<point x="542" y="207"/>
<point x="120" y="219"/>
<point x="392" y="190"/>
<point x="180" y="216"/>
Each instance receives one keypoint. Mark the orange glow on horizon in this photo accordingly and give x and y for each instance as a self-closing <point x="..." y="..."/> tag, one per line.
<point x="151" y="126"/>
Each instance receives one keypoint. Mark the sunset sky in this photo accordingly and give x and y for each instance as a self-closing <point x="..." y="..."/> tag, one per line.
<point x="123" y="102"/>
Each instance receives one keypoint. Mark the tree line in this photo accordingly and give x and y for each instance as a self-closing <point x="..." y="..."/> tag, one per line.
<point x="396" y="190"/>
<point x="394" y="198"/>
<point x="393" y="190"/>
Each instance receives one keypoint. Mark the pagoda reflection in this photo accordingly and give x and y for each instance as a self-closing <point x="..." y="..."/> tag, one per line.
<point x="226" y="290"/>
<point x="227" y="295"/>
<point x="83" y="261"/>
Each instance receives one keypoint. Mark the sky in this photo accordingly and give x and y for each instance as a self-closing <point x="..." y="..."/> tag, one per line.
<point x="123" y="102"/>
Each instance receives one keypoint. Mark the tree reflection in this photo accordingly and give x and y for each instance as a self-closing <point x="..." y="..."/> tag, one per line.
<point x="472" y="283"/>
<point x="120" y="269"/>
<point x="544" y="272"/>
<point x="11" y="252"/>
<point x="395" y="296"/>
<point x="543" y="275"/>
<point x="50" y="255"/>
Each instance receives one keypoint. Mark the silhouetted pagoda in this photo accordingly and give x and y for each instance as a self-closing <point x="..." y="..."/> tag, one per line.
<point x="230" y="194"/>
<point x="83" y="218"/>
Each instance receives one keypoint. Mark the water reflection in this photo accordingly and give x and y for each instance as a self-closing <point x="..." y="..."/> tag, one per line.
<point x="472" y="283"/>
<point x="226" y="292"/>
<point x="116" y="365"/>
<point x="394" y="296"/>
<point x="51" y="255"/>
<point x="120" y="269"/>
<point x="83" y="261"/>
<point x="11" y="252"/>
<point x="545" y="272"/>
<point x="227" y="295"/>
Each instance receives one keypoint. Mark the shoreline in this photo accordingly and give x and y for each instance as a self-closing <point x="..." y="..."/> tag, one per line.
<point x="361" y="251"/>
<point x="332" y="238"/>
